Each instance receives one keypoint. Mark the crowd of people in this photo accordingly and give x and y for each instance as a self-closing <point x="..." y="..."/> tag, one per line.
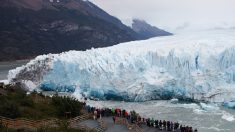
<point x="134" y="117"/>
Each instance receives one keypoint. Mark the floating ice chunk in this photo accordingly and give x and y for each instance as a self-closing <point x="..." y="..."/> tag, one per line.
<point x="174" y="101"/>
<point x="190" y="106"/>
<point x="209" y="107"/>
<point x="198" y="111"/>
<point x="229" y="104"/>
<point x="227" y="116"/>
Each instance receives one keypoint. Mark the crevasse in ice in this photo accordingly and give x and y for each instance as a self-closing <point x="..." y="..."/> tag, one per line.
<point x="197" y="66"/>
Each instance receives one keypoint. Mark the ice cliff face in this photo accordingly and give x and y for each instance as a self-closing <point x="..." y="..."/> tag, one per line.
<point x="199" y="66"/>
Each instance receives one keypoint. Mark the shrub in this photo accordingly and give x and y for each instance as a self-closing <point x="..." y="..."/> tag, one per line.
<point x="66" y="104"/>
<point x="9" y="109"/>
<point x="26" y="102"/>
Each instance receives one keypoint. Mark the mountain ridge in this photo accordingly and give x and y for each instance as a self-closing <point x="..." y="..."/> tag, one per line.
<point x="146" y="30"/>
<point x="30" y="28"/>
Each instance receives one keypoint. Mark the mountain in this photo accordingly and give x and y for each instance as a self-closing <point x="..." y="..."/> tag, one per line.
<point x="32" y="27"/>
<point x="146" y="30"/>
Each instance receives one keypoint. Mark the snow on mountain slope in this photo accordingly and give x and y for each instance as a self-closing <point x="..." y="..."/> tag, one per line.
<point x="188" y="66"/>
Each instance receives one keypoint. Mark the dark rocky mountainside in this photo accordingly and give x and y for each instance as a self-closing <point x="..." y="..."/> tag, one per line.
<point x="32" y="27"/>
<point x="146" y="30"/>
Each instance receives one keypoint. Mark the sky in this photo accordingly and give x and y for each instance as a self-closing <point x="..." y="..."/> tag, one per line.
<point x="174" y="15"/>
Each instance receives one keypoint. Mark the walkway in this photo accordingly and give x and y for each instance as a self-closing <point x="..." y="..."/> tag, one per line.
<point x="111" y="127"/>
<point x="92" y="124"/>
<point x="88" y="123"/>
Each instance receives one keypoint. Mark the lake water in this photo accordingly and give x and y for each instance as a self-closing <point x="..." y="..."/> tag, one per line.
<point x="6" y="66"/>
<point x="204" y="117"/>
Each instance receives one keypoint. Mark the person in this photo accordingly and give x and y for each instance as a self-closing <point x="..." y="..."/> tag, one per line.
<point x="114" y="119"/>
<point x="148" y="122"/>
<point x="126" y="114"/>
<point x="168" y="125"/>
<point x="139" y="119"/>
<point x="113" y="111"/>
<point x="190" y="129"/>
<point x="118" y="112"/>
<point x="84" y="104"/>
<point x="164" y="124"/>
<point x="156" y="124"/>
<point x="95" y="115"/>
<point x="102" y="112"/>
<point x="160" y="124"/>
<point x="177" y="125"/>
<point x="195" y="130"/>
<point x="152" y="122"/>
<point x="183" y="128"/>
<point x="100" y="115"/>
<point x="143" y="120"/>
<point x="187" y="129"/>
<point x="171" y="126"/>
<point x="123" y="113"/>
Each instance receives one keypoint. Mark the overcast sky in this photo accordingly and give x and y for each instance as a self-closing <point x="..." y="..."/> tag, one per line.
<point x="174" y="15"/>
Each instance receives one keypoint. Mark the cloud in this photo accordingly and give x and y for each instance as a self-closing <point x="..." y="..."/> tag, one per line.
<point x="172" y="15"/>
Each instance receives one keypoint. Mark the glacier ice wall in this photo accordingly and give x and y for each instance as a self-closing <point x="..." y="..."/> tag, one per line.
<point x="199" y="66"/>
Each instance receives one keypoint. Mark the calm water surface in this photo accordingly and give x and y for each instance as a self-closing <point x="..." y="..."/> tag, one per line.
<point x="6" y="66"/>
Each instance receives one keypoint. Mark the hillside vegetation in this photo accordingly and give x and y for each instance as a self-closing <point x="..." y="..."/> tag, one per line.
<point x="15" y="103"/>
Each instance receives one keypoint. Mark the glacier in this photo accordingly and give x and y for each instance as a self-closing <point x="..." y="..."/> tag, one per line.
<point x="198" y="66"/>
